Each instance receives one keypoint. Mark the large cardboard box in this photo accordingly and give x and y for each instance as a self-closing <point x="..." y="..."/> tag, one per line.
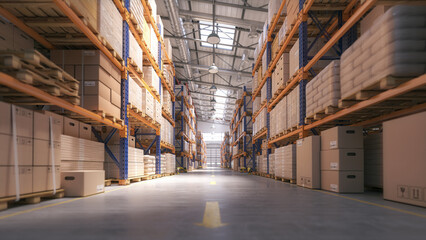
<point x="58" y="124"/>
<point x="8" y="183"/>
<point x="92" y="75"/>
<point x="308" y="162"/>
<point x="85" y="131"/>
<point x="342" y="137"/>
<point x="42" y="153"/>
<point x="41" y="126"/>
<point x="71" y="127"/>
<point x="343" y="181"/>
<point x="5" y="118"/>
<point x="98" y="103"/>
<point x="76" y="57"/>
<point x="24" y="149"/>
<point x="24" y="122"/>
<point x="342" y="159"/>
<point x="404" y="165"/>
<point x="83" y="183"/>
<point x="43" y="178"/>
<point x="95" y="88"/>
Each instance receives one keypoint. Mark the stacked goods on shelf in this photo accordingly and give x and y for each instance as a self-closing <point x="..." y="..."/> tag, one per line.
<point x="167" y="101"/>
<point x="151" y="78"/>
<point x="104" y="19"/>
<point x="170" y="160"/>
<point x="342" y="159"/>
<point x="81" y="154"/>
<point x="163" y="164"/>
<point x="13" y="38"/>
<point x="289" y="164"/>
<point x="272" y="163"/>
<point x="323" y="91"/>
<point x="256" y="107"/>
<point x="373" y="160"/>
<point x="391" y="51"/>
<point x="279" y="162"/>
<point x="263" y="160"/>
<point x="273" y="8"/>
<point x="148" y="103"/>
<point x="149" y="165"/>
<point x="166" y="131"/>
<point x="100" y="80"/>
<point x="308" y="162"/>
<point x="135" y="162"/>
<point x="135" y="94"/>
<point x="263" y="95"/>
<point x="25" y="142"/>
<point x="281" y="75"/>
<point x="135" y="53"/>
<point x="137" y="13"/>
<point x="292" y="13"/>
<point x="279" y="117"/>
<point x="293" y="108"/>
<point x="404" y="178"/>
<point x="169" y="49"/>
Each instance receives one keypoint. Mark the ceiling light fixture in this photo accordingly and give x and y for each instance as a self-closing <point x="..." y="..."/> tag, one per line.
<point x="213" y="100"/>
<point x="213" y="69"/>
<point x="253" y="33"/>
<point x="213" y="38"/>
<point x="213" y="88"/>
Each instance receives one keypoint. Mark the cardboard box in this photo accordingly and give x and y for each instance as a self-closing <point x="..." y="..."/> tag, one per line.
<point x="116" y="99"/>
<point x="5" y="118"/>
<point x="83" y="183"/>
<point x="342" y="137"/>
<point x="6" y="35"/>
<point x="342" y="159"/>
<point x="41" y="126"/>
<point x="8" y="183"/>
<point x="76" y="57"/>
<point x="43" y="178"/>
<point x="42" y="153"/>
<point x="58" y="124"/>
<point x="71" y="127"/>
<point x="404" y="165"/>
<point x="93" y="73"/>
<point x="97" y="103"/>
<point x="308" y="162"/>
<point x="95" y="88"/>
<point x="24" y="149"/>
<point x="85" y="131"/>
<point x="24" y="122"/>
<point x="343" y="181"/>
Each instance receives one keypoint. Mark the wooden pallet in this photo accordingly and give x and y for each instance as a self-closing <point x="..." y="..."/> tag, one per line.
<point x="329" y="110"/>
<point x="32" y="68"/>
<point x="31" y="198"/>
<point x="81" y="118"/>
<point x="293" y="181"/>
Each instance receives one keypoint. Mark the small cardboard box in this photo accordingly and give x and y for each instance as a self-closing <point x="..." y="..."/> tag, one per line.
<point x="83" y="183"/>
<point x="343" y="181"/>
<point x="42" y="153"/>
<point x="342" y="137"/>
<point x="71" y="127"/>
<point x="404" y="165"/>
<point x="85" y="131"/>
<point x="24" y="150"/>
<point x="43" y="178"/>
<point x="308" y="162"/>
<point x="8" y="181"/>
<point x="342" y="159"/>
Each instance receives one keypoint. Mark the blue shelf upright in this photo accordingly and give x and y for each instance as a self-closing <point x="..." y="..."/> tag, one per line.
<point x="268" y="98"/>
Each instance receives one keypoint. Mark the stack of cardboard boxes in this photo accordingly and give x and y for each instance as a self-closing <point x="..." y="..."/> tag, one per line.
<point x="289" y="163"/>
<point x="149" y="165"/>
<point x="100" y="80"/>
<point x="342" y="160"/>
<point x="308" y="162"/>
<point x="135" y="161"/>
<point x="170" y="162"/>
<point x="281" y="73"/>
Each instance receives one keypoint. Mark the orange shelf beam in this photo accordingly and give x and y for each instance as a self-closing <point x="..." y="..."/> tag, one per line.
<point x="131" y="113"/>
<point x="89" y="34"/>
<point x="259" y="136"/>
<point x="258" y="111"/>
<point x="142" y="82"/>
<point x="15" y="84"/>
<point x="166" y="116"/>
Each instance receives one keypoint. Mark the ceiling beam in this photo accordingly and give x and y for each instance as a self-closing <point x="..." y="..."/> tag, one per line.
<point x="222" y="19"/>
<point x="209" y="84"/>
<point x="221" y="70"/>
<point x="199" y="40"/>
<point x="217" y="54"/>
<point x="258" y="9"/>
<point x="212" y="95"/>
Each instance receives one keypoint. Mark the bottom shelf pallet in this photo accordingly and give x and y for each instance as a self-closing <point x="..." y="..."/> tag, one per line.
<point x="108" y="182"/>
<point x="31" y="198"/>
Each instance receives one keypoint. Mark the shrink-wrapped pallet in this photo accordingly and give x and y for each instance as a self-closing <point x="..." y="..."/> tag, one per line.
<point x="324" y="90"/>
<point x="147" y="103"/>
<point x="151" y="78"/>
<point x="394" y="47"/>
<point x="264" y="63"/>
<point x="169" y="49"/>
<point x="289" y="163"/>
<point x="135" y="51"/>
<point x="293" y="108"/>
<point x="273" y="7"/>
<point x="263" y="94"/>
<point x="135" y="163"/>
<point x="279" y="162"/>
<point x="81" y="154"/>
<point x="136" y="9"/>
<point x="110" y="24"/>
<point x="135" y="94"/>
<point x="149" y="165"/>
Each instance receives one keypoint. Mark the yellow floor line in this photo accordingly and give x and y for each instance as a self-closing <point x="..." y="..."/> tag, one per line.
<point x="56" y="204"/>
<point x="211" y="218"/>
<point x="212" y="183"/>
<point x="374" y="204"/>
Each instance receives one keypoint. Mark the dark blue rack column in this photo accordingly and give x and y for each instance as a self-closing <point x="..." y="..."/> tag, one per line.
<point x="268" y="98"/>
<point x="158" y="138"/>
<point x="124" y="143"/>
<point x="303" y="60"/>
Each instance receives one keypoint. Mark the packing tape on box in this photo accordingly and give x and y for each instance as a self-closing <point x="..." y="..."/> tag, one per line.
<point x="52" y="154"/>
<point x="15" y="153"/>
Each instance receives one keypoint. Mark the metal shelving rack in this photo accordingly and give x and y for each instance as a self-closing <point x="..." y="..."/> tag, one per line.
<point x="183" y="155"/>
<point x="344" y="36"/>
<point x="225" y="153"/>
<point x="243" y="116"/>
<point x="127" y="70"/>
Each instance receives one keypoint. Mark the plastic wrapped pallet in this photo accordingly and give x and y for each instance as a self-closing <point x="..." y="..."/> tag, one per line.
<point x="263" y="93"/>
<point x="373" y="160"/>
<point x="273" y="7"/>
<point x="81" y="154"/>
<point x="289" y="165"/>
<point x="170" y="163"/>
<point x="154" y="44"/>
<point x="169" y="49"/>
<point x="151" y="78"/>
<point x="272" y="163"/>
<point x="149" y="165"/>
<point x="135" y="161"/>
<point x="135" y="94"/>
<point x="147" y="103"/>
<point x="324" y="90"/>
<point x="281" y="115"/>
<point x="281" y="74"/>
<point x="279" y="162"/>
<point x="393" y="47"/>
<point x="136" y="9"/>
<point x="293" y="108"/>
<point x="135" y="51"/>
<point x="110" y="24"/>
<point x="157" y="111"/>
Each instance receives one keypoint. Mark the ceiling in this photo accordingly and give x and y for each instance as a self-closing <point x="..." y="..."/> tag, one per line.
<point x="234" y="73"/>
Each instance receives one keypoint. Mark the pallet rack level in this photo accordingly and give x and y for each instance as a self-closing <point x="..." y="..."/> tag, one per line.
<point x="127" y="69"/>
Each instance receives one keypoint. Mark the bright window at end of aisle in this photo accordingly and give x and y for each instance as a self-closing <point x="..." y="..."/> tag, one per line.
<point x="213" y="137"/>
<point x="225" y="32"/>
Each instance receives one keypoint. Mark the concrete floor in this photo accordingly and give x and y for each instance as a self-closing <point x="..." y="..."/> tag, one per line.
<point x="252" y="207"/>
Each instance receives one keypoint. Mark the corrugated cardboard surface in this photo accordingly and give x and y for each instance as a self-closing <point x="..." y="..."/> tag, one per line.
<point x="342" y="159"/>
<point x="83" y="183"/>
<point x="342" y="137"/>
<point x="7" y="180"/>
<point x="308" y="162"/>
<point x="343" y="181"/>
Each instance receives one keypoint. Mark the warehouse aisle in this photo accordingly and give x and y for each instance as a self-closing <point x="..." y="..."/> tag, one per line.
<point x="187" y="206"/>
